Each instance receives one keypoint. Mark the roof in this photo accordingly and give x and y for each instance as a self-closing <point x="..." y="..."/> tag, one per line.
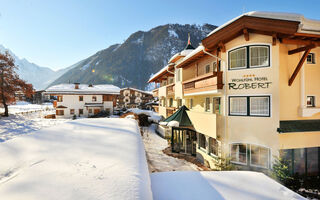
<point x="307" y="25"/>
<point x="160" y="73"/>
<point x="180" y="116"/>
<point x="218" y="185"/>
<point x="194" y="54"/>
<point x="83" y="89"/>
<point x="299" y="126"/>
<point x="129" y="88"/>
<point x="61" y="106"/>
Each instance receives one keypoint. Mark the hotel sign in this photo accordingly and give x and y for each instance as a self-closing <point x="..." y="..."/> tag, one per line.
<point x="249" y="82"/>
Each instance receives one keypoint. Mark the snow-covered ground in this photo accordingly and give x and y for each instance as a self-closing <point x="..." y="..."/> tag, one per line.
<point x="23" y="107"/>
<point x="19" y="124"/>
<point x="157" y="160"/>
<point x="153" y="116"/>
<point x="218" y="185"/>
<point x="83" y="159"/>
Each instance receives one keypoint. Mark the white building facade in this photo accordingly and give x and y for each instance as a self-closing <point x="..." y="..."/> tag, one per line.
<point x="83" y="100"/>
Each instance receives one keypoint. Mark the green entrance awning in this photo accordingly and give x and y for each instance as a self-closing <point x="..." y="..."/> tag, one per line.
<point x="180" y="116"/>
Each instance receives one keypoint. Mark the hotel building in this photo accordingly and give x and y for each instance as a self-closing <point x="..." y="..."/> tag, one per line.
<point x="253" y="90"/>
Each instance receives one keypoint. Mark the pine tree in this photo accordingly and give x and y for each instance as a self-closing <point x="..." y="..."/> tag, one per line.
<point x="10" y="82"/>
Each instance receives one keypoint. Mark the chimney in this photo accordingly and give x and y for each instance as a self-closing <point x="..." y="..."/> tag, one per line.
<point x="76" y="85"/>
<point x="90" y="85"/>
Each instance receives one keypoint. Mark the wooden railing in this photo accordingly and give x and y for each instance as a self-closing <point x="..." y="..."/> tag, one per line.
<point x="170" y="89"/>
<point x="156" y="108"/>
<point x="170" y="110"/>
<point x="206" y="82"/>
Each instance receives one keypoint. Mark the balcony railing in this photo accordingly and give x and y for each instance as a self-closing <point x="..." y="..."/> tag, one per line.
<point x="170" y="89"/>
<point x="206" y="82"/>
<point x="156" y="109"/>
<point x="170" y="110"/>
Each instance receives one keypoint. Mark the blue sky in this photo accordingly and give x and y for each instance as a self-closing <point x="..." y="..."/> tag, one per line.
<point x="59" y="33"/>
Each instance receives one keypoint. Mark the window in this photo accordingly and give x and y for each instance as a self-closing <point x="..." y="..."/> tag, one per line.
<point x="170" y="80"/>
<point x="311" y="59"/>
<point x="259" y="106"/>
<point x="207" y="69"/>
<point x="90" y="110"/>
<point x="238" y="106"/>
<point x="299" y="161"/>
<point x="207" y="104"/>
<point x="238" y="58"/>
<point x="259" y="56"/>
<point x="259" y="156"/>
<point x="191" y="103"/>
<point x="202" y="141"/>
<point x="80" y="98"/>
<point x="216" y="105"/>
<point x="214" y="66"/>
<point x="213" y="146"/>
<point x="71" y="111"/>
<point x="59" y="112"/>
<point x="170" y="102"/>
<point x="310" y="101"/>
<point x="249" y="106"/>
<point x="94" y="98"/>
<point x="239" y="153"/>
<point x="80" y="111"/>
<point x="249" y="57"/>
<point x="59" y="99"/>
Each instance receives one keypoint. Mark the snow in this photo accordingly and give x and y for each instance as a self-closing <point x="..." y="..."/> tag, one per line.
<point x="157" y="160"/>
<point x="172" y="33"/>
<point x="173" y="124"/>
<point x="83" y="88"/>
<point x="218" y="185"/>
<point x="153" y="116"/>
<point x="21" y="124"/>
<point x="23" y="107"/>
<point x="163" y="123"/>
<point x="83" y="159"/>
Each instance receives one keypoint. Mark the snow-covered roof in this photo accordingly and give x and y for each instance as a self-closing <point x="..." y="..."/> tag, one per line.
<point x="83" y="159"/>
<point x="306" y="25"/>
<point x="83" y="89"/>
<point x="142" y="91"/>
<point x="218" y="185"/>
<point x="159" y="72"/>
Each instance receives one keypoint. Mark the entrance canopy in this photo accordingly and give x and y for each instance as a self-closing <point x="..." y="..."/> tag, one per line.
<point x="180" y="116"/>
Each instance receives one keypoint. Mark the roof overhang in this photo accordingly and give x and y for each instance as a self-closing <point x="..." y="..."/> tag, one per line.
<point x="162" y="74"/>
<point x="252" y="24"/>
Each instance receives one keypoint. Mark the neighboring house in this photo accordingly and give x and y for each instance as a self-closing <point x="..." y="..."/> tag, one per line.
<point x="83" y="100"/>
<point x="40" y="97"/>
<point x="253" y="90"/>
<point x="134" y="98"/>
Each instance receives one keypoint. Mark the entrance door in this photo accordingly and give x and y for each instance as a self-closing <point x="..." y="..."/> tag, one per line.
<point x="96" y="111"/>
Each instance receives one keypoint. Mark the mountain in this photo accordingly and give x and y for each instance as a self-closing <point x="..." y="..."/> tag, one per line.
<point x="39" y="77"/>
<point x="132" y="63"/>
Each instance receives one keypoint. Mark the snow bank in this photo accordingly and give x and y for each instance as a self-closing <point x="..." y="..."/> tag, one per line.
<point x="173" y="124"/>
<point x="22" y="107"/>
<point x="153" y="116"/>
<point x="218" y="185"/>
<point x="83" y="159"/>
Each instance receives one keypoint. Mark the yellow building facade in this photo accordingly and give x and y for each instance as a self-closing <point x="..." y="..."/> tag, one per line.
<point x="253" y="91"/>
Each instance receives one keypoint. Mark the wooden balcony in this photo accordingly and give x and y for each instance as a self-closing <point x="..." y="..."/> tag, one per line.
<point x="170" y="89"/>
<point x="170" y="110"/>
<point x="203" y="83"/>
<point x="155" y="92"/>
